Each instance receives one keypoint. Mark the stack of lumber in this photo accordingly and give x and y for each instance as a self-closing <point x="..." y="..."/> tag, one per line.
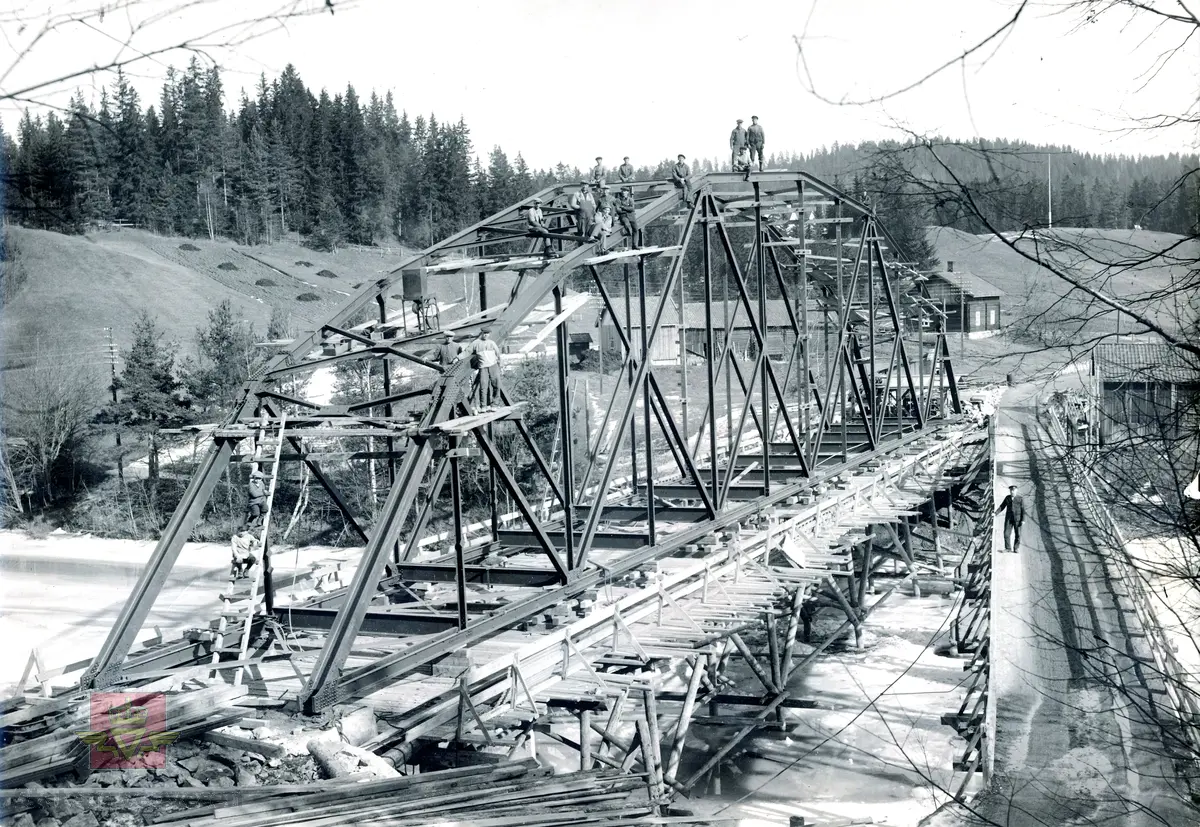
<point x="45" y="738"/>
<point x="509" y="795"/>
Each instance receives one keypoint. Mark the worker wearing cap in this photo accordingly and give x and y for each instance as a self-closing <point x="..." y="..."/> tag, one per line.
<point x="601" y="229"/>
<point x="450" y="350"/>
<point x="535" y="225"/>
<point x="256" y="497"/>
<point x="625" y="171"/>
<point x="584" y="205"/>
<point x="757" y="140"/>
<point x="242" y="548"/>
<point x="599" y="173"/>
<point x="626" y="211"/>
<point x="603" y="197"/>
<point x="737" y="140"/>
<point x="681" y="177"/>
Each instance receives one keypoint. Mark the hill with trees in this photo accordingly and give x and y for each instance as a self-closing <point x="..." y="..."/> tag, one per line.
<point x="340" y="169"/>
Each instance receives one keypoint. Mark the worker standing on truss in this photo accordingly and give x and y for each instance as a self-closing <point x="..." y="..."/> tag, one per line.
<point x="450" y="350"/>
<point x="625" y="171"/>
<point x="626" y="211"/>
<point x="485" y="357"/>
<point x="584" y="205"/>
<point x="757" y="140"/>
<point x="681" y="177"/>
<point x="737" y="142"/>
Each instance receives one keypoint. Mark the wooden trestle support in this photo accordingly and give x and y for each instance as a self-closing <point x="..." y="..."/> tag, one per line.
<point x="702" y="524"/>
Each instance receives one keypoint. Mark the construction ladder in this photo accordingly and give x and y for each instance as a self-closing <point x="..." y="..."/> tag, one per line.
<point x="241" y="601"/>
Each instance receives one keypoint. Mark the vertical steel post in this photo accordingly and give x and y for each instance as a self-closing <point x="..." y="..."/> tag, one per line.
<point x="646" y="398"/>
<point x="842" y="315"/>
<point x="388" y="412"/>
<point x="683" y="377"/>
<point x="568" y="454"/>
<point x="768" y="432"/>
<point x="460" y="563"/>
<point x="710" y="353"/>
<point x="806" y="398"/>
<point x="872" y="393"/>
<point x="726" y="335"/>
<point x="633" y="473"/>
<point x="493" y="489"/>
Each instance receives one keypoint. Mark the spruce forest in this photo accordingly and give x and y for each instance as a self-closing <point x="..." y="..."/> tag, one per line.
<point x="335" y="169"/>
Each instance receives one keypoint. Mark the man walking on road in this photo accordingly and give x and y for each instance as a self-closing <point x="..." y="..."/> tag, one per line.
<point x="1013" y="507"/>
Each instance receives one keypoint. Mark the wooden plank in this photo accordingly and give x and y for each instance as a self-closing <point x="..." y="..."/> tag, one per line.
<point x="643" y="251"/>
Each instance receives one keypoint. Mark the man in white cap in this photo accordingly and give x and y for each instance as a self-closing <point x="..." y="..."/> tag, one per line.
<point x="256" y="497"/>
<point x="681" y="177"/>
<point x="450" y="350"/>
<point x="535" y="223"/>
<point x="737" y="141"/>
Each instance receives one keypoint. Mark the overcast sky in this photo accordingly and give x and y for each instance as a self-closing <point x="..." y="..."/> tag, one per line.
<point x="565" y="80"/>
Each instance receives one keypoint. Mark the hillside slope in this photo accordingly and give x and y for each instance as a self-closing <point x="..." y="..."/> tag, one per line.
<point x="1034" y="297"/>
<point x="71" y="287"/>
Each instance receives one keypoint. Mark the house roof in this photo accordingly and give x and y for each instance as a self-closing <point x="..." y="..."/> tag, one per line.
<point x="694" y="315"/>
<point x="1145" y="362"/>
<point x="969" y="283"/>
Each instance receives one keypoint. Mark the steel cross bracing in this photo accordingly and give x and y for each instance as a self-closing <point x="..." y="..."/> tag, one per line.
<point x="810" y="347"/>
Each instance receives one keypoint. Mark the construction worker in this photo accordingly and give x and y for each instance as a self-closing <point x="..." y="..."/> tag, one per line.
<point x="625" y="171"/>
<point x="584" y="205"/>
<point x="535" y="223"/>
<point x="256" y="497"/>
<point x="242" y="548"/>
<point x="602" y="227"/>
<point x="1013" y="507"/>
<point x="603" y="198"/>
<point x="741" y="162"/>
<point x="599" y="173"/>
<point x="450" y="350"/>
<point x="626" y="211"/>
<point x="737" y="142"/>
<point x="488" y="355"/>
<point x="757" y="139"/>
<point x="681" y="177"/>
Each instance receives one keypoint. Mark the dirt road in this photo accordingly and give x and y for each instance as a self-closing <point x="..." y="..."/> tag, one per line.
<point x="1077" y="741"/>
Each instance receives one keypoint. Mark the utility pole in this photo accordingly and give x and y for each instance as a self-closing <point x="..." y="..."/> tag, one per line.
<point x="1049" y="195"/>
<point x="112" y="362"/>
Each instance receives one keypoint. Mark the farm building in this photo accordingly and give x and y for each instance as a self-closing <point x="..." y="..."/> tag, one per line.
<point x="1142" y="388"/>
<point x="779" y="333"/>
<point x="972" y="305"/>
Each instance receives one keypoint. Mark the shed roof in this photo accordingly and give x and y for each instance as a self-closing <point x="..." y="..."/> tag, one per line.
<point x="969" y="283"/>
<point x="1146" y="362"/>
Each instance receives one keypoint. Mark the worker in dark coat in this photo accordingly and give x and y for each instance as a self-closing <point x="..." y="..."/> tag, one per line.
<point x="737" y="140"/>
<point x="625" y="171"/>
<point x="681" y="177"/>
<point x="256" y="498"/>
<point x="584" y="205"/>
<point x="757" y="140"/>
<point x="1013" y="507"/>
<point x="627" y="215"/>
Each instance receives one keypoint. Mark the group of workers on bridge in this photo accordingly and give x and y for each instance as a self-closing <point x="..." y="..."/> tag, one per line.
<point x="596" y="211"/>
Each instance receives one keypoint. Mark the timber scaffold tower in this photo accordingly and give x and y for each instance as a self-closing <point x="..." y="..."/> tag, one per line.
<point x="779" y="416"/>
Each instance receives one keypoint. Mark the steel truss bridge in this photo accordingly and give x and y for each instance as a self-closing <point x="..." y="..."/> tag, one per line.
<point x="808" y="433"/>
